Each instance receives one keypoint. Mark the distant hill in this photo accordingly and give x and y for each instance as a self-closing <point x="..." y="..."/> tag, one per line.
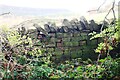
<point x="11" y="15"/>
<point x="32" y="11"/>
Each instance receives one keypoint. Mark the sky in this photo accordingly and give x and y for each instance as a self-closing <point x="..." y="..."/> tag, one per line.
<point x="72" y="5"/>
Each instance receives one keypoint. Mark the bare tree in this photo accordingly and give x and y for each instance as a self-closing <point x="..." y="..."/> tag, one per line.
<point x="4" y="13"/>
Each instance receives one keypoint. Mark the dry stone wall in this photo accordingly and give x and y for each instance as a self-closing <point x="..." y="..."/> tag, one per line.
<point x="72" y="45"/>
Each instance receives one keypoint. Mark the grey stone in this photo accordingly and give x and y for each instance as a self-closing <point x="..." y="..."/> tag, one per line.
<point x="84" y="23"/>
<point x="39" y="28"/>
<point x="47" y="28"/>
<point x="50" y="27"/>
<point x="94" y="26"/>
<point x="67" y="23"/>
<point x="65" y="29"/>
<point x="75" y="25"/>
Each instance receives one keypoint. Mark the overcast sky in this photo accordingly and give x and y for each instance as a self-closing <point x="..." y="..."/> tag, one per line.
<point x="72" y="5"/>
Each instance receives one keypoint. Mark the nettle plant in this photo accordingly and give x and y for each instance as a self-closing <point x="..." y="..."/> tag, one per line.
<point x="11" y="46"/>
<point x="19" y="57"/>
<point x="110" y="39"/>
<point x="14" y="49"/>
